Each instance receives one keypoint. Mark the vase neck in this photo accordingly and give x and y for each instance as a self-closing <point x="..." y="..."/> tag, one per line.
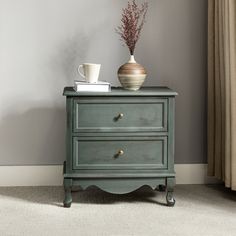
<point x="131" y="60"/>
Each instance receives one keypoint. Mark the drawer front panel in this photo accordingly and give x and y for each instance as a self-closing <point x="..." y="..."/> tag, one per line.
<point x="141" y="153"/>
<point x="120" y="115"/>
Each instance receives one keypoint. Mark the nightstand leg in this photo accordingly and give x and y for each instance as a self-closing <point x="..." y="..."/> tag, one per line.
<point x="170" y="192"/>
<point x="68" y="197"/>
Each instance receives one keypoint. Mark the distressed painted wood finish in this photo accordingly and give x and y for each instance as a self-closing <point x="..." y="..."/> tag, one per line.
<point x="120" y="153"/>
<point x="120" y="92"/>
<point x="120" y="115"/>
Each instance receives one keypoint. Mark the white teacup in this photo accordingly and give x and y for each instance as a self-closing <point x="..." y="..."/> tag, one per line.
<point x="90" y="72"/>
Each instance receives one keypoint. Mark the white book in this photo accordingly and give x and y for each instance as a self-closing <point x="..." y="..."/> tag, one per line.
<point x="100" y="86"/>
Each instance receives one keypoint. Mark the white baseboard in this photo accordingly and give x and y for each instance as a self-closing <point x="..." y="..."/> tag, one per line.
<point x="52" y="175"/>
<point x="193" y="174"/>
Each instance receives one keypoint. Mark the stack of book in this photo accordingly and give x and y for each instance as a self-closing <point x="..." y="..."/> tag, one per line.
<point x="100" y="86"/>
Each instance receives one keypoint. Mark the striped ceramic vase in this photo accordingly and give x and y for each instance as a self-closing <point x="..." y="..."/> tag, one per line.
<point x="132" y="75"/>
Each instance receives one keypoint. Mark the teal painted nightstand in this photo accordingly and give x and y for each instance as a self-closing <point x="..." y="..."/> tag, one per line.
<point x="120" y="141"/>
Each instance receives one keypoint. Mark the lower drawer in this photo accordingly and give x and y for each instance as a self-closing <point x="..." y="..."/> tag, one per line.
<point x="117" y="153"/>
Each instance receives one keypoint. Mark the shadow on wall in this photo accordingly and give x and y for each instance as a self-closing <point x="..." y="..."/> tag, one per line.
<point x="69" y="55"/>
<point x="33" y="137"/>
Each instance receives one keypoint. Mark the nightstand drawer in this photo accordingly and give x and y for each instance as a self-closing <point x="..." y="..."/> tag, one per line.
<point x="120" y="153"/>
<point x="120" y="115"/>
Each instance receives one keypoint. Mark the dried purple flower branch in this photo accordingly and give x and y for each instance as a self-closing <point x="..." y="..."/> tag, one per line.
<point x="132" y="21"/>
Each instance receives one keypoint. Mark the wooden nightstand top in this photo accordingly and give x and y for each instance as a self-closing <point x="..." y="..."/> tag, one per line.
<point x="119" y="91"/>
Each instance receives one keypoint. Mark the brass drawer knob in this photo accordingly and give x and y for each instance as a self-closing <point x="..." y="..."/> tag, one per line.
<point x="120" y="116"/>
<point x="120" y="153"/>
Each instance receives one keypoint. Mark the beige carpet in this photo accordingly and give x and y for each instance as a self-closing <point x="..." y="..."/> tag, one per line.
<point x="199" y="210"/>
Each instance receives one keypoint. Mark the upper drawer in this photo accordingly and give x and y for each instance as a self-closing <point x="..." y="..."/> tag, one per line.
<point x="120" y="115"/>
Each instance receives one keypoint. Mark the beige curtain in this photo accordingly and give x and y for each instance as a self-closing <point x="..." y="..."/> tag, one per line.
<point x="222" y="90"/>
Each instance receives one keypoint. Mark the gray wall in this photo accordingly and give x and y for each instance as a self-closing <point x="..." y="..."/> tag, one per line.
<point x="43" y="42"/>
